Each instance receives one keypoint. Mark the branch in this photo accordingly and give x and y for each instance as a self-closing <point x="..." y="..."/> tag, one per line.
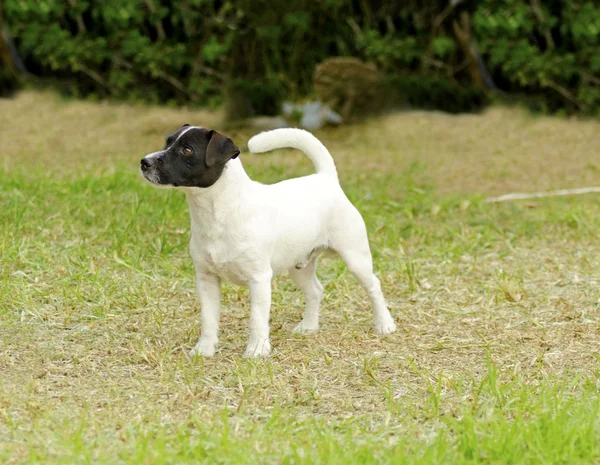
<point x="81" y="29"/>
<point x="591" y="78"/>
<point x="354" y="26"/>
<point x="160" y="30"/>
<point x="210" y="71"/>
<point x="564" y="92"/>
<point x="537" y="10"/>
<point x="95" y="76"/>
<point x="437" y="22"/>
<point x="439" y="64"/>
<point x="389" y="22"/>
<point x="174" y="82"/>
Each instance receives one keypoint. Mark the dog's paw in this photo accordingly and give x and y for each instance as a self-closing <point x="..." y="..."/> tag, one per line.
<point x="258" y="349"/>
<point x="306" y="328"/>
<point x="385" y="325"/>
<point x="205" y="347"/>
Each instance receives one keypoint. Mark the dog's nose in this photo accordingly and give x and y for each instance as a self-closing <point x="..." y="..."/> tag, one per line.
<point x="146" y="163"/>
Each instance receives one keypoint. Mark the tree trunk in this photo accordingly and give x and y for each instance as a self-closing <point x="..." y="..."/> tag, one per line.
<point x="8" y="69"/>
<point x="462" y="32"/>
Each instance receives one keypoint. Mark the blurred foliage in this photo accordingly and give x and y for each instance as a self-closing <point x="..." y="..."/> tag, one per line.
<point x="8" y="74"/>
<point x="549" y="47"/>
<point x="196" y="51"/>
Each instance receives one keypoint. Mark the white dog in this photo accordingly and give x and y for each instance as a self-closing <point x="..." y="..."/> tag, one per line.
<point x="246" y="232"/>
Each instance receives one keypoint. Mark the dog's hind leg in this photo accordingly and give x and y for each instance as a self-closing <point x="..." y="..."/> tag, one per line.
<point x="352" y="244"/>
<point x="306" y="279"/>
<point x="360" y="264"/>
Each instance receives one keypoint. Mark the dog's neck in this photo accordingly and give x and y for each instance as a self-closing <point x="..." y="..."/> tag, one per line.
<point x="211" y="203"/>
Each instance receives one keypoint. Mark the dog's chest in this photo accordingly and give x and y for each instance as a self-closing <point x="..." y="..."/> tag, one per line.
<point x="222" y="257"/>
<point x="226" y="259"/>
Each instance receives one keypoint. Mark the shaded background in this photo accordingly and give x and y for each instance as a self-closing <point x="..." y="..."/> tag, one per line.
<point x="452" y="55"/>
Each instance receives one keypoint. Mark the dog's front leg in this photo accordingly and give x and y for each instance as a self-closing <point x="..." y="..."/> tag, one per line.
<point x="209" y="294"/>
<point x="260" y="307"/>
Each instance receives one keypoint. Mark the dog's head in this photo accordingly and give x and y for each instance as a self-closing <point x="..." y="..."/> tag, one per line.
<point x="192" y="157"/>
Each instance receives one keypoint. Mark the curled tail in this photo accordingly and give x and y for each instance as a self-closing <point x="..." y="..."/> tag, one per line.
<point x="297" y="139"/>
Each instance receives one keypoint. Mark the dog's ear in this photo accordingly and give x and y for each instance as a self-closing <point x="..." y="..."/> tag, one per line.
<point x="184" y="126"/>
<point x="220" y="149"/>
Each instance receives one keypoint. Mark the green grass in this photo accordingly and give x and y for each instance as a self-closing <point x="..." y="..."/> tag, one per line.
<point x="496" y="359"/>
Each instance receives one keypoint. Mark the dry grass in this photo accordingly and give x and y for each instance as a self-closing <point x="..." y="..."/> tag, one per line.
<point x="97" y="304"/>
<point x="504" y="150"/>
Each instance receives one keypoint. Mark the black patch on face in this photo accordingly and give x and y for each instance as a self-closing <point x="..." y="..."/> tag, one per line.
<point x="192" y="157"/>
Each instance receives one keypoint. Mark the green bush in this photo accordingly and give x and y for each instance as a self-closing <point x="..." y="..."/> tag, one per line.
<point x="552" y="50"/>
<point x="434" y="92"/>
<point x="195" y="51"/>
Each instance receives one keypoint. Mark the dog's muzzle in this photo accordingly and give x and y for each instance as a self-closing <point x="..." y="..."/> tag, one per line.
<point x="148" y="167"/>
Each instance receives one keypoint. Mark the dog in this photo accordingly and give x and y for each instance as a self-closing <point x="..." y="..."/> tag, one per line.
<point x="246" y="232"/>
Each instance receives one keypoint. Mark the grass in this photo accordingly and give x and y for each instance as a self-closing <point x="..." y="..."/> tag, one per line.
<point x="496" y="359"/>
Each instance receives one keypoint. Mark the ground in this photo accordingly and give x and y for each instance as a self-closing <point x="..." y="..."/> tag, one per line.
<point x="496" y="359"/>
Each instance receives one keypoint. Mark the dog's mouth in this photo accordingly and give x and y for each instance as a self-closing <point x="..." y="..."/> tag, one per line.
<point x="151" y="176"/>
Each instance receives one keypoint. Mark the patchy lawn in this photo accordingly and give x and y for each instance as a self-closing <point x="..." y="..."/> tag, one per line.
<point x="497" y="357"/>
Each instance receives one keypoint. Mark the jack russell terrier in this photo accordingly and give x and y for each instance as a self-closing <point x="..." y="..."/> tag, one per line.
<point x="246" y="232"/>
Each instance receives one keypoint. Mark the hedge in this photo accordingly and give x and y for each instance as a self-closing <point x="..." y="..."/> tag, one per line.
<point x="190" y="51"/>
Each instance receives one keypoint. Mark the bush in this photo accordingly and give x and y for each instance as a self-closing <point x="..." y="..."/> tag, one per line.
<point x="438" y="93"/>
<point x="442" y="54"/>
<point x="550" y="49"/>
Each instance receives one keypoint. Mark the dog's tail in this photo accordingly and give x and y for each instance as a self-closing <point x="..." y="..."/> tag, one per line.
<point x="297" y="139"/>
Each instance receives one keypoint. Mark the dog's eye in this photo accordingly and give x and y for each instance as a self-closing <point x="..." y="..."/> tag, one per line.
<point x="187" y="151"/>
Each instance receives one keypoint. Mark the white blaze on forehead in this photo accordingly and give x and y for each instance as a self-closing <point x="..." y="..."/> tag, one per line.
<point x="156" y="154"/>
<point x="183" y="132"/>
<point x="186" y="130"/>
